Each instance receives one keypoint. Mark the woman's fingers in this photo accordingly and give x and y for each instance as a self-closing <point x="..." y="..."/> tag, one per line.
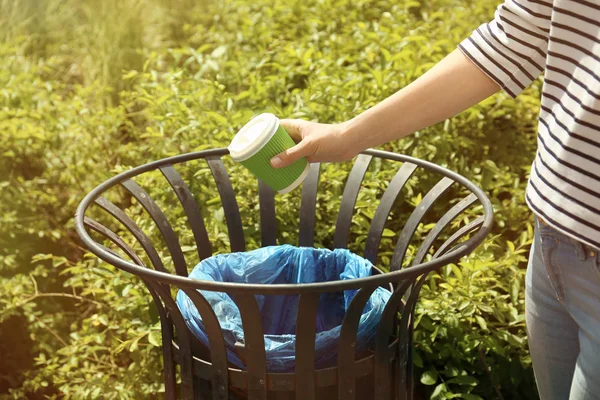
<point x="291" y="155"/>
<point x="293" y="128"/>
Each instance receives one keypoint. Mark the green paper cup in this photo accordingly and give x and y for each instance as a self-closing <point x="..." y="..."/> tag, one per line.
<point x="260" y="140"/>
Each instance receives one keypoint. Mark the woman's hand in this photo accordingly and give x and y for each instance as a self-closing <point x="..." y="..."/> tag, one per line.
<point x="317" y="142"/>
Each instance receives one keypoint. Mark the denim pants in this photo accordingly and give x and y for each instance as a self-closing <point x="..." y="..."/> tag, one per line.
<point x="563" y="316"/>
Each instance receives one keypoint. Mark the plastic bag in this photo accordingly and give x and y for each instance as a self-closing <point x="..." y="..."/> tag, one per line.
<point x="278" y="265"/>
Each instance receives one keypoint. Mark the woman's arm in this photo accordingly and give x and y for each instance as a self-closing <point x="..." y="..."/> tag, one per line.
<point x="508" y="52"/>
<point x="451" y="86"/>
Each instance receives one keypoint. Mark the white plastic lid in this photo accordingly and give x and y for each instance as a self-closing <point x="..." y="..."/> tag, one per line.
<point x="253" y="136"/>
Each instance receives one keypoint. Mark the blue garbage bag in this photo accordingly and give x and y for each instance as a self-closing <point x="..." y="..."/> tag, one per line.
<point x="279" y="265"/>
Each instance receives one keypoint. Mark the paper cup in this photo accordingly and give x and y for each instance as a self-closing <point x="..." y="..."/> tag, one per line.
<point x="260" y="140"/>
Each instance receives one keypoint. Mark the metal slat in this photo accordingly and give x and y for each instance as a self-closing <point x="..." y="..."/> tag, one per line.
<point x="165" y="321"/>
<point x="230" y="206"/>
<point x="415" y="219"/>
<point x="385" y="331"/>
<point x="470" y="227"/>
<point x="405" y="341"/>
<point x="218" y="353"/>
<point x="454" y="212"/>
<point x="254" y="346"/>
<point x="190" y="207"/>
<point x="308" y="207"/>
<point x="268" y="221"/>
<point x="173" y="315"/>
<point x="384" y="208"/>
<point x="135" y="230"/>
<point x="162" y="224"/>
<point x="306" y="324"/>
<point x="357" y="174"/>
<point x="184" y="340"/>
<point x="347" y="344"/>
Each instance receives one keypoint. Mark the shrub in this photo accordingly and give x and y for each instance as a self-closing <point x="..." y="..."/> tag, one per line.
<point x="91" y="329"/>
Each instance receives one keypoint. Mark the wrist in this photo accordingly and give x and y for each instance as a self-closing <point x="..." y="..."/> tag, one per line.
<point x="349" y="134"/>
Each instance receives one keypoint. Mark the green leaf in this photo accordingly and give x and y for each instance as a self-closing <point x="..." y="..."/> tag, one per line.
<point x="388" y="233"/>
<point x="130" y="75"/>
<point x="469" y="396"/>
<point x="451" y="371"/>
<point x="514" y="290"/>
<point x="429" y="377"/>
<point x="126" y="290"/>
<point x="511" y="246"/>
<point x="134" y="345"/>
<point x="153" y="312"/>
<point x="103" y="319"/>
<point x="438" y="391"/>
<point x="468" y="310"/>
<point x="464" y="304"/>
<point x="457" y="271"/>
<point x="514" y="340"/>
<point x="481" y="322"/>
<point x="485" y="308"/>
<point x="218" y="117"/>
<point x="464" y="380"/>
<point x="219" y="51"/>
<point x="417" y="360"/>
<point x="154" y="337"/>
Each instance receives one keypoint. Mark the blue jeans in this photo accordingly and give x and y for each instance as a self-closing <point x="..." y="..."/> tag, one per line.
<point x="563" y="316"/>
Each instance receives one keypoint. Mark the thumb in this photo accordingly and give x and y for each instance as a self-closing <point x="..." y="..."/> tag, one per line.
<point x="291" y="155"/>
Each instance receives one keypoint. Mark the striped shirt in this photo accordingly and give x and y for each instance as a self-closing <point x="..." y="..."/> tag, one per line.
<point x="562" y="39"/>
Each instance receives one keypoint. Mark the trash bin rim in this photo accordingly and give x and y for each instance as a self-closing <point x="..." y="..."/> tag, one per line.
<point x="451" y="256"/>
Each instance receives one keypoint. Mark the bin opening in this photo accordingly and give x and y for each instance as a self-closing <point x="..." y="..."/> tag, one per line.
<point x="280" y="265"/>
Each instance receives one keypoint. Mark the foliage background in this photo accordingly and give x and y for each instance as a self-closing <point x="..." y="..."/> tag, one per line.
<point x="89" y="88"/>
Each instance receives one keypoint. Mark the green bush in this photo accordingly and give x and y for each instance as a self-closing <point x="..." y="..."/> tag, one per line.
<point x="72" y="326"/>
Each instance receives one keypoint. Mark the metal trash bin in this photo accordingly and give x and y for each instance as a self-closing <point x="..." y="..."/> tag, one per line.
<point x="385" y="373"/>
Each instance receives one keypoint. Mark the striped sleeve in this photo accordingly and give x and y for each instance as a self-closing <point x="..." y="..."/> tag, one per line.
<point x="512" y="48"/>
